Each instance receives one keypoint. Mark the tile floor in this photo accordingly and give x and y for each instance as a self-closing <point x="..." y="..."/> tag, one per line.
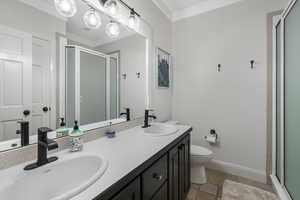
<point x="213" y="189"/>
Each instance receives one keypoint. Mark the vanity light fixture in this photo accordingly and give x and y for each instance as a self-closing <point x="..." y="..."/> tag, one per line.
<point x="132" y="20"/>
<point x="92" y="19"/>
<point x="113" y="29"/>
<point x="111" y="6"/>
<point x="66" y="8"/>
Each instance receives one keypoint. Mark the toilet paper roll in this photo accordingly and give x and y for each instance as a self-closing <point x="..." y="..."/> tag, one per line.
<point x="211" y="139"/>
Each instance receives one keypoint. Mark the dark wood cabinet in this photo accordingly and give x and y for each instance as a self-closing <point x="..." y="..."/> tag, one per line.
<point x="179" y="170"/>
<point x="162" y="194"/>
<point x="174" y="180"/>
<point x="165" y="176"/>
<point x="154" y="177"/>
<point x="130" y="192"/>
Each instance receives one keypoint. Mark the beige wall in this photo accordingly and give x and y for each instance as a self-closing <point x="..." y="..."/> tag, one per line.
<point x="234" y="101"/>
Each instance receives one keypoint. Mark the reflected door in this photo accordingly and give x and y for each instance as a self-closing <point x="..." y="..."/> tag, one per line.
<point x="15" y="80"/>
<point x="40" y="84"/>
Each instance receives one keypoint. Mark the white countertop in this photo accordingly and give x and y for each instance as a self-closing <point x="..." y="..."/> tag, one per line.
<point x="128" y="150"/>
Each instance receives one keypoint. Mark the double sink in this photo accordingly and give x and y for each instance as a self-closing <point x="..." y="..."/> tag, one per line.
<point x="70" y="175"/>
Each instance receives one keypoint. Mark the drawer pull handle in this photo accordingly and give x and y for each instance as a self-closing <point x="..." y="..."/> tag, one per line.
<point x="157" y="177"/>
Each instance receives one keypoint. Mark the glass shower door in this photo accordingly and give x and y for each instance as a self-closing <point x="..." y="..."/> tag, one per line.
<point x="292" y="100"/>
<point x="92" y="88"/>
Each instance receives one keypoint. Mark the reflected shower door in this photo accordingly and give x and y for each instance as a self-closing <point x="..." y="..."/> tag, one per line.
<point x="114" y="87"/>
<point x="292" y="100"/>
<point x="92" y="88"/>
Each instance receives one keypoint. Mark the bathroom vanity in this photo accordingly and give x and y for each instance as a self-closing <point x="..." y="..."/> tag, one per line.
<point x="164" y="176"/>
<point x="135" y="165"/>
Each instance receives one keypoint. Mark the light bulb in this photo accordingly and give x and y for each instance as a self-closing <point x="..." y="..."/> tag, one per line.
<point x="132" y="21"/>
<point x="112" y="7"/>
<point x="113" y="29"/>
<point x="92" y="19"/>
<point x="66" y="8"/>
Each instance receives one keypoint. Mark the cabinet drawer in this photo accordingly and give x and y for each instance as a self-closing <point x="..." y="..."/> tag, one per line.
<point x="154" y="177"/>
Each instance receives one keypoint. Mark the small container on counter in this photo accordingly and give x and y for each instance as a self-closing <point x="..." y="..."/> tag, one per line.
<point x="76" y="142"/>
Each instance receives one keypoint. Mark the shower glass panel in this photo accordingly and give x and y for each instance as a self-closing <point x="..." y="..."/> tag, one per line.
<point x="92" y="88"/>
<point x="278" y="102"/>
<point x="292" y="99"/>
<point x="70" y="86"/>
<point x="114" y="94"/>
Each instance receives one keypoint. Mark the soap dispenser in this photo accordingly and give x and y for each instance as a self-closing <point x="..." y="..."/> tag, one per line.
<point x="76" y="143"/>
<point x="63" y="130"/>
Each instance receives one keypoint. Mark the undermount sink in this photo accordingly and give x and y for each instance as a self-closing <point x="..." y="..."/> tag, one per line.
<point x="60" y="180"/>
<point x="160" y="129"/>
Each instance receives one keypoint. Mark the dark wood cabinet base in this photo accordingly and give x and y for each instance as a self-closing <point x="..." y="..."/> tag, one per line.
<point x="165" y="176"/>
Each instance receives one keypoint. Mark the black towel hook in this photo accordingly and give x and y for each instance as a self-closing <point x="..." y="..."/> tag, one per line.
<point x="219" y="67"/>
<point x="252" y="62"/>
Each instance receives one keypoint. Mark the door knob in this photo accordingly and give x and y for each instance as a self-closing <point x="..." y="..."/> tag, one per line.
<point x="45" y="109"/>
<point x="26" y="112"/>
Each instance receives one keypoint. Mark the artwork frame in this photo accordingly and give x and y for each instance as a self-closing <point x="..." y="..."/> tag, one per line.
<point x="163" y="68"/>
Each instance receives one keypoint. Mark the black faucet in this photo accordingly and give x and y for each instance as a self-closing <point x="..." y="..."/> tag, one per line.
<point x="24" y="132"/>
<point x="147" y="116"/>
<point x="127" y="113"/>
<point x="44" y="144"/>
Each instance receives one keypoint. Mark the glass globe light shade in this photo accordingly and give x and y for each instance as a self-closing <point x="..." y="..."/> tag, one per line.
<point x="132" y="21"/>
<point x="112" y="7"/>
<point x="66" y="8"/>
<point x="92" y="19"/>
<point x="113" y="29"/>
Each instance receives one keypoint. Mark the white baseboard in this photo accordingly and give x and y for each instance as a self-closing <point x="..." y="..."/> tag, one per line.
<point x="238" y="170"/>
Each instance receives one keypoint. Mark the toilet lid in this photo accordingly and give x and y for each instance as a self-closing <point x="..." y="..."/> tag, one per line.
<point x="200" y="151"/>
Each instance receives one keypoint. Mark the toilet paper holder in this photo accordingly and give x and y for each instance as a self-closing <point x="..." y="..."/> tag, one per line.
<point x="213" y="137"/>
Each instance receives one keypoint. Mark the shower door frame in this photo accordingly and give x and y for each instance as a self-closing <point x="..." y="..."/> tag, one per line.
<point x="78" y="50"/>
<point x="279" y="184"/>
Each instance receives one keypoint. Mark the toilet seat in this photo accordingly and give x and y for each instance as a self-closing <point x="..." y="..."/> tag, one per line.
<point x="200" y="151"/>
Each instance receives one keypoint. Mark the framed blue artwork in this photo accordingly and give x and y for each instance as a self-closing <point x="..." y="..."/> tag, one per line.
<point x="163" y="68"/>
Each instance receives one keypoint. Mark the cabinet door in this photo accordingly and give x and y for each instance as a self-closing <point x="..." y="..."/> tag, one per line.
<point x="162" y="194"/>
<point x="187" y="166"/>
<point x="179" y="170"/>
<point x="174" y="173"/>
<point x="182" y="170"/>
<point x="131" y="192"/>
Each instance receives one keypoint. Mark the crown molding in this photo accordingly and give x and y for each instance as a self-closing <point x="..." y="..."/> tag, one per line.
<point x="202" y="8"/>
<point x="193" y="10"/>
<point x="164" y="8"/>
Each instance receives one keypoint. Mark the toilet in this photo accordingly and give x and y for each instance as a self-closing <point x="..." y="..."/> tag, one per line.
<point x="199" y="157"/>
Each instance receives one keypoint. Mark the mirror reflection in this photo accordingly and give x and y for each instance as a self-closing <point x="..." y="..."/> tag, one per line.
<point x="55" y="70"/>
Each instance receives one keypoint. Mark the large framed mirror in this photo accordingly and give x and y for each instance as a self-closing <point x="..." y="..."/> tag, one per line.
<point x="55" y="69"/>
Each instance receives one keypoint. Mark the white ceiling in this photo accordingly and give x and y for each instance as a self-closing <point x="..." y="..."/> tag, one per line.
<point x="76" y="29"/>
<point x="179" y="9"/>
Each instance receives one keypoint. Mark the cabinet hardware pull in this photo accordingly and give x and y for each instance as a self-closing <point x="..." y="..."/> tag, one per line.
<point x="157" y="177"/>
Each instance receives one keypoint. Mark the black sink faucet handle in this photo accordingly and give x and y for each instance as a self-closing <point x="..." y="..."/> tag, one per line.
<point x="24" y="132"/>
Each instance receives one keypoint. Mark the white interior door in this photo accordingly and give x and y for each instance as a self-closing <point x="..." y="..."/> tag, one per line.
<point x="15" y="80"/>
<point x="40" y="84"/>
